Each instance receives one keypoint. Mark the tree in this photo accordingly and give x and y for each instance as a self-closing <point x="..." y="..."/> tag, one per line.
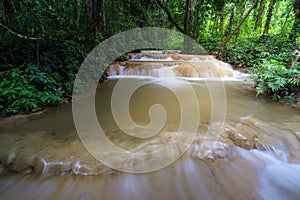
<point x="186" y="22"/>
<point x="241" y="17"/>
<point x="268" y="20"/>
<point x="187" y="17"/>
<point x="259" y="16"/>
<point x="169" y="15"/>
<point x="92" y="20"/>
<point x="230" y="24"/>
<point x="295" y="32"/>
<point x="236" y="29"/>
<point x="196" y="27"/>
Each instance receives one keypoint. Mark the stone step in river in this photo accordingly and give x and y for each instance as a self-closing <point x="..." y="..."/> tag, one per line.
<point x="171" y="64"/>
<point x="243" y="146"/>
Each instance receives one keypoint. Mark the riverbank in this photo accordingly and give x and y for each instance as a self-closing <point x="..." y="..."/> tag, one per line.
<point x="172" y="57"/>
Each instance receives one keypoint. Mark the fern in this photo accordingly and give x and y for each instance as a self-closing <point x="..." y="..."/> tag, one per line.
<point x="273" y="78"/>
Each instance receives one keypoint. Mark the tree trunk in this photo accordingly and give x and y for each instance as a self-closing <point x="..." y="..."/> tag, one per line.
<point x="197" y="19"/>
<point x="77" y="13"/>
<point x="268" y="20"/>
<point x="170" y="18"/>
<point x="106" y="20"/>
<point x="92" y="20"/>
<point x="221" y="22"/>
<point x="258" y="21"/>
<point x="241" y="17"/>
<point x="6" y="11"/>
<point x="230" y="24"/>
<point x="295" y="57"/>
<point x="234" y="31"/>
<point x="295" y="32"/>
<point x="283" y="27"/>
<point x="187" y="17"/>
<point x="186" y="25"/>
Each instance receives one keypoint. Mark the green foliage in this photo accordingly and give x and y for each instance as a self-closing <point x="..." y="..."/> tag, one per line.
<point x="273" y="78"/>
<point x="211" y="44"/>
<point x="242" y="53"/>
<point x="40" y="82"/>
<point x="19" y="92"/>
<point x="251" y="52"/>
<point x="35" y="73"/>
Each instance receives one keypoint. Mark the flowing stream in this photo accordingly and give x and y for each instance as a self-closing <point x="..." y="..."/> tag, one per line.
<point x="251" y="153"/>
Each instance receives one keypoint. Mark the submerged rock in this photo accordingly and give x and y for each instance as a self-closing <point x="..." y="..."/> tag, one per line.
<point x="186" y="70"/>
<point x="209" y="150"/>
<point x="240" y="140"/>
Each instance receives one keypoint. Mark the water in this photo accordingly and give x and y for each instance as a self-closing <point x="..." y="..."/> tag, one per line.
<point x="253" y="154"/>
<point x="173" y="65"/>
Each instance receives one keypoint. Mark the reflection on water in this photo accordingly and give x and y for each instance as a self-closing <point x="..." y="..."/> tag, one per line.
<point x="253" y="155"/>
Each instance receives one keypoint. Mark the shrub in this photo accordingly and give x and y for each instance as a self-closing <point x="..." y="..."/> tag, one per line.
<point x="273" y="78"/>
<point x="21" y="92"/>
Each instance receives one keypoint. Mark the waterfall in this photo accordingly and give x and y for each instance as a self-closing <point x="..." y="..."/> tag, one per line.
<point x="172" y="64"/>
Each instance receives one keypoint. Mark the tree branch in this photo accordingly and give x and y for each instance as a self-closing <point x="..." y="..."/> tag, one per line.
<point x="20" y="35"/>
<point x="5" y="18"/>
<point x="34" y="16"/>
<point x="7" y="71"/>
<point x="170" y="18"/>
<point x="187" y="17"/>
<point x="236" y="29"/>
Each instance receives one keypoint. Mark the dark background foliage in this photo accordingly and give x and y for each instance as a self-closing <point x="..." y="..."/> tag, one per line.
<point x="43" y="43"/>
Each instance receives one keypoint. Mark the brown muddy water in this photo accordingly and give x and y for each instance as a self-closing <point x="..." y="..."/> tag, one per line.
<point x="252" y="154"/>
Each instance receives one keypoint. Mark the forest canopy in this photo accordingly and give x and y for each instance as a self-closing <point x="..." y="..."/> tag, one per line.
<point x="44" y="42"/>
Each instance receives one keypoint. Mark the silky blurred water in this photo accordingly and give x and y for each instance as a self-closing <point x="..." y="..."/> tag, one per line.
<point x="252" y="154"/>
